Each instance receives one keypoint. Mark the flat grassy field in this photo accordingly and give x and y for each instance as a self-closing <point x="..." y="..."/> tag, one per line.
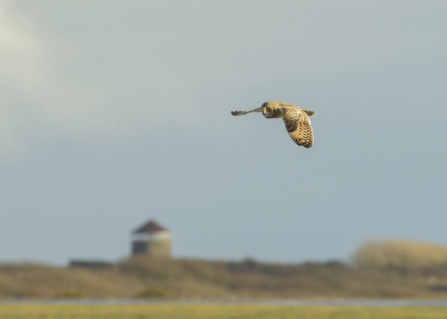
<point x="41" y="311"/>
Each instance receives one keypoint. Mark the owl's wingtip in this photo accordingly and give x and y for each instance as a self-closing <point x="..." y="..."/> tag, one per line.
<point x="309" y="113"/>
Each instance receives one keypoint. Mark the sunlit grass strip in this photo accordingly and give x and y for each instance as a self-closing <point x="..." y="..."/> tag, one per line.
<point x="31" y="311"/>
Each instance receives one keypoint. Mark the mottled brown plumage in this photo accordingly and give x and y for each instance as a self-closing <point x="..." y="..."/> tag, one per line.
<point x="296" y="119"/>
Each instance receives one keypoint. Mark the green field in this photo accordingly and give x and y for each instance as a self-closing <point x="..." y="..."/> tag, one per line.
<point x="31" y="311"/>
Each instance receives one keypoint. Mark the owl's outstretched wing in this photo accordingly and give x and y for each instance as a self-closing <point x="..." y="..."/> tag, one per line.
<point x="237" y="113"/>
<point x="298" y="125"/>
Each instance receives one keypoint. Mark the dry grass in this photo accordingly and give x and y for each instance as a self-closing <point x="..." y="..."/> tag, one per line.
<point x="35" y="280"/>
<point x="402" y="254"/>
<point x="212" y="311"/>
<point x="146" y="277"/>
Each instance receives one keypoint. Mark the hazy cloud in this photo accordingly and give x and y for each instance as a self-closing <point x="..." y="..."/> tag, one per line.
<point x="20" y="77"/>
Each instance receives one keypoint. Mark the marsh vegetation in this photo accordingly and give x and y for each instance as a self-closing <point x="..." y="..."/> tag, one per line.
<point x="380" y="270"/>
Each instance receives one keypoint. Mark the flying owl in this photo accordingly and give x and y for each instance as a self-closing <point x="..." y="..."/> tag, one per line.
<point x="296" y="119"/>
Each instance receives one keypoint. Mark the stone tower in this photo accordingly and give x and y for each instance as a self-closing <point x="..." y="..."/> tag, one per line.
<point x="151" y="239"/>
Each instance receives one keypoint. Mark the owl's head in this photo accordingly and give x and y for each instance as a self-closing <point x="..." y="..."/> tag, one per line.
<point x="268" y="109"/>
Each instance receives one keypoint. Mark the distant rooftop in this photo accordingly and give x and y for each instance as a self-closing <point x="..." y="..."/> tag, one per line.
<point x="150" y="227"/>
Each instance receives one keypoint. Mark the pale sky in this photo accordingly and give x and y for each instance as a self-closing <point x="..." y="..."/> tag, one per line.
<point x="116" y="112"/>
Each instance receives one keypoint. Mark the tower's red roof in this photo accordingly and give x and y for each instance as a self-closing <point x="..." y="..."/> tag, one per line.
<point x="150" y="227"/>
